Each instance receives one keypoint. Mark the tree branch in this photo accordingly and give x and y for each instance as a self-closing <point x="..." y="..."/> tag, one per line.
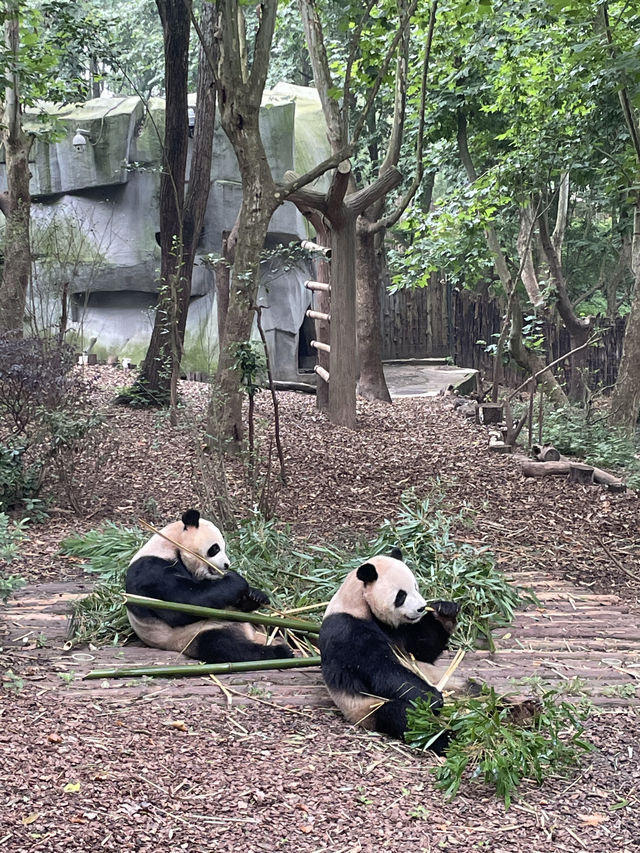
<point x="337" y="131"/>
<point x="557" y="238"/>
<point x="575" y="325"/>
<point x="359" y="201"/>
<point x="523" y="243"/>
<point x="390" y="220"/>
<point x="262" y="46"/>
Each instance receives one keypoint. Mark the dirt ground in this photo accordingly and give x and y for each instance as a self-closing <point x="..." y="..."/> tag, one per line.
<point x="148" y="774"/>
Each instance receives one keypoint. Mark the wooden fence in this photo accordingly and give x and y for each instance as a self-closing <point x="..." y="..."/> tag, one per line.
<point x="442" y="321"/>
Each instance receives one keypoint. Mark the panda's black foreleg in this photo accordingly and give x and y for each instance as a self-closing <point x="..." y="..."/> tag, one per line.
<point x="224" y="645"/>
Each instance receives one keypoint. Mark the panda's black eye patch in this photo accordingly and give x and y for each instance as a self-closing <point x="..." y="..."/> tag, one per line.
<point x="215" y="549"/>
<point x="401" y="597"/>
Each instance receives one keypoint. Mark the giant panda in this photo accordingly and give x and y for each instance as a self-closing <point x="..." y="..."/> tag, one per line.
<point x="376" y="619"/>
<point x="162" y="570"/>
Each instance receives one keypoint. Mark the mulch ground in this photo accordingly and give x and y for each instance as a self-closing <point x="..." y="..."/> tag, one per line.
<point x="169" y="775"/>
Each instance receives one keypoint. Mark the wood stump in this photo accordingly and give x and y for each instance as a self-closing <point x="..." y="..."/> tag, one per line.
<point x="580" y="473"/>
<point x="545" y="453"/>
<point x="490" y="413"/>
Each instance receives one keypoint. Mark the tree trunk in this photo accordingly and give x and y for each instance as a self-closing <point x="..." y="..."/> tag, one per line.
<point x="161" y="364"/>
<point x="17" y="203"/>
<point x="371" y="384"/>
<point x="531" y="362"/>
<point x="625" y="400"/>
<point x="254" y="218"/>
<point x="579" y="328"/>
<point x="239" y="92"/>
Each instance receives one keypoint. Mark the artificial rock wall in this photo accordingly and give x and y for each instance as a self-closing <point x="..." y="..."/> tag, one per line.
<point x="95" y="217"/>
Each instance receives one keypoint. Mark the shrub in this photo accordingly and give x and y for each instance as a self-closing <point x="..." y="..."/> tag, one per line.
<point x="45" y="418"/>
<point x="11" y="535"/>
<point x="578" y="432"/>
<point x="489" y="743"/>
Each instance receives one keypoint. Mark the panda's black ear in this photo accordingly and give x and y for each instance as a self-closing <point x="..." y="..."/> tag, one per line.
<point x="367" y="573"/>
<point x="396" y="553"/>
<point x="191" y="518"/>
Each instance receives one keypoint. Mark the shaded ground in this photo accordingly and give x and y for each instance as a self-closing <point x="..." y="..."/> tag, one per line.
<point x="155" y="774"/>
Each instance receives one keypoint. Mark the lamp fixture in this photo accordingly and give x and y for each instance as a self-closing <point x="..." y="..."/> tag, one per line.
<point x="79" y="141"/>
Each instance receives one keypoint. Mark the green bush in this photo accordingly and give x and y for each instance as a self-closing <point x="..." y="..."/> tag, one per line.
<point x="591" y="437"/>
<point x="18" y="481"/>
<point x="12" y="534"/>
<point x="101" y="617"/>
<point x="493" y="748"/>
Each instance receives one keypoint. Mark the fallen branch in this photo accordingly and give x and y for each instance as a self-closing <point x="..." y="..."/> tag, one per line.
<point x="616" y="560"/>
<point x="195" y="669"/>
<point x="531" y="468"/>
<point x="224" y="615"/>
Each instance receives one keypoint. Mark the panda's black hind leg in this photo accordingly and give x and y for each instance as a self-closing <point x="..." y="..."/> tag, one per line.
<point x="223" y="645"/>
<point x="391" y="719"/>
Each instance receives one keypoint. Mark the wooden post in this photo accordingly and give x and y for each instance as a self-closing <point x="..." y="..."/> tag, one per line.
<point x="342" y="333"/>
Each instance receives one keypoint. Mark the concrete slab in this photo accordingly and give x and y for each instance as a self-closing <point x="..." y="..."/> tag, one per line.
<point x="415" y="379"/>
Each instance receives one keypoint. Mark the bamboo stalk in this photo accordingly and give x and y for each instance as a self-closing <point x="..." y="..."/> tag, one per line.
<point x="204" y="668"/>
<point x="301" y="625"/>
<point x="455" y="663"/>
<point x="302" y="609"/>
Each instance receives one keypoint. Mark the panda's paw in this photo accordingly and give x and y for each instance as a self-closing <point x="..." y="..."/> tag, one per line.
<point x="259" y="596"/>
<point x="446" y="609"/>
<point x="252" y="599"/>
<point x="281" y="650"/>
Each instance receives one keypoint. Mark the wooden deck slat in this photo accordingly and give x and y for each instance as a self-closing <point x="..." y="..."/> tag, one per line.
<point x="573" y="634"/>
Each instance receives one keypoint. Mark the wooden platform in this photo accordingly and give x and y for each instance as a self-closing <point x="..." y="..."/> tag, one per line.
<point x="585" y="642"/>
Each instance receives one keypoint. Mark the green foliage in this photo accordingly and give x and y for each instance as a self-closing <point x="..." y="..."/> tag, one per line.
<point x="101" y="617"/>
<point x="141" y="396"/>
<point x="12" y="682"/>
<point x="18" y="481"/>
<point x="250" y="362"/>
<point x="107" y="551"/>
<point x="12" y="533"/>
<point x="576" y="432"/>
<point x="449" y="570"/>
<point x="265" y="553"/>
<point x="492" y="747"/>
<point x="46" y="418"/>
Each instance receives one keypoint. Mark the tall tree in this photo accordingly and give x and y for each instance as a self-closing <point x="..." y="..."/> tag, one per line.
<point x="240" y="67"/>
<point x="31" y="54"/>
<point x="181" y="218"/>
<point x="357" y="230"/>
<point x="16" y="205"/>
<point x="625" y="400"/>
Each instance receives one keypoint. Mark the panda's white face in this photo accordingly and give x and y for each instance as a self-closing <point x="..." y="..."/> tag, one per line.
<point x="205" y="539"/>
<point x="391" y="591"/>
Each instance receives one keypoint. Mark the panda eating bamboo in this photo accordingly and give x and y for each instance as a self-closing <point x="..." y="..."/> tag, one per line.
<point x="373" y="624"/>
<point x="163" y="569"/>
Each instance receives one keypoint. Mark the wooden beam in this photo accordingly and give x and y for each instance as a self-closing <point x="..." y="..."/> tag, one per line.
<point x="320" y="345"/>
<point x="322" y="373"/>
<point x="318" y="315"/>
<point x="318" y="285"/>
<point x="316" y="247"/>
